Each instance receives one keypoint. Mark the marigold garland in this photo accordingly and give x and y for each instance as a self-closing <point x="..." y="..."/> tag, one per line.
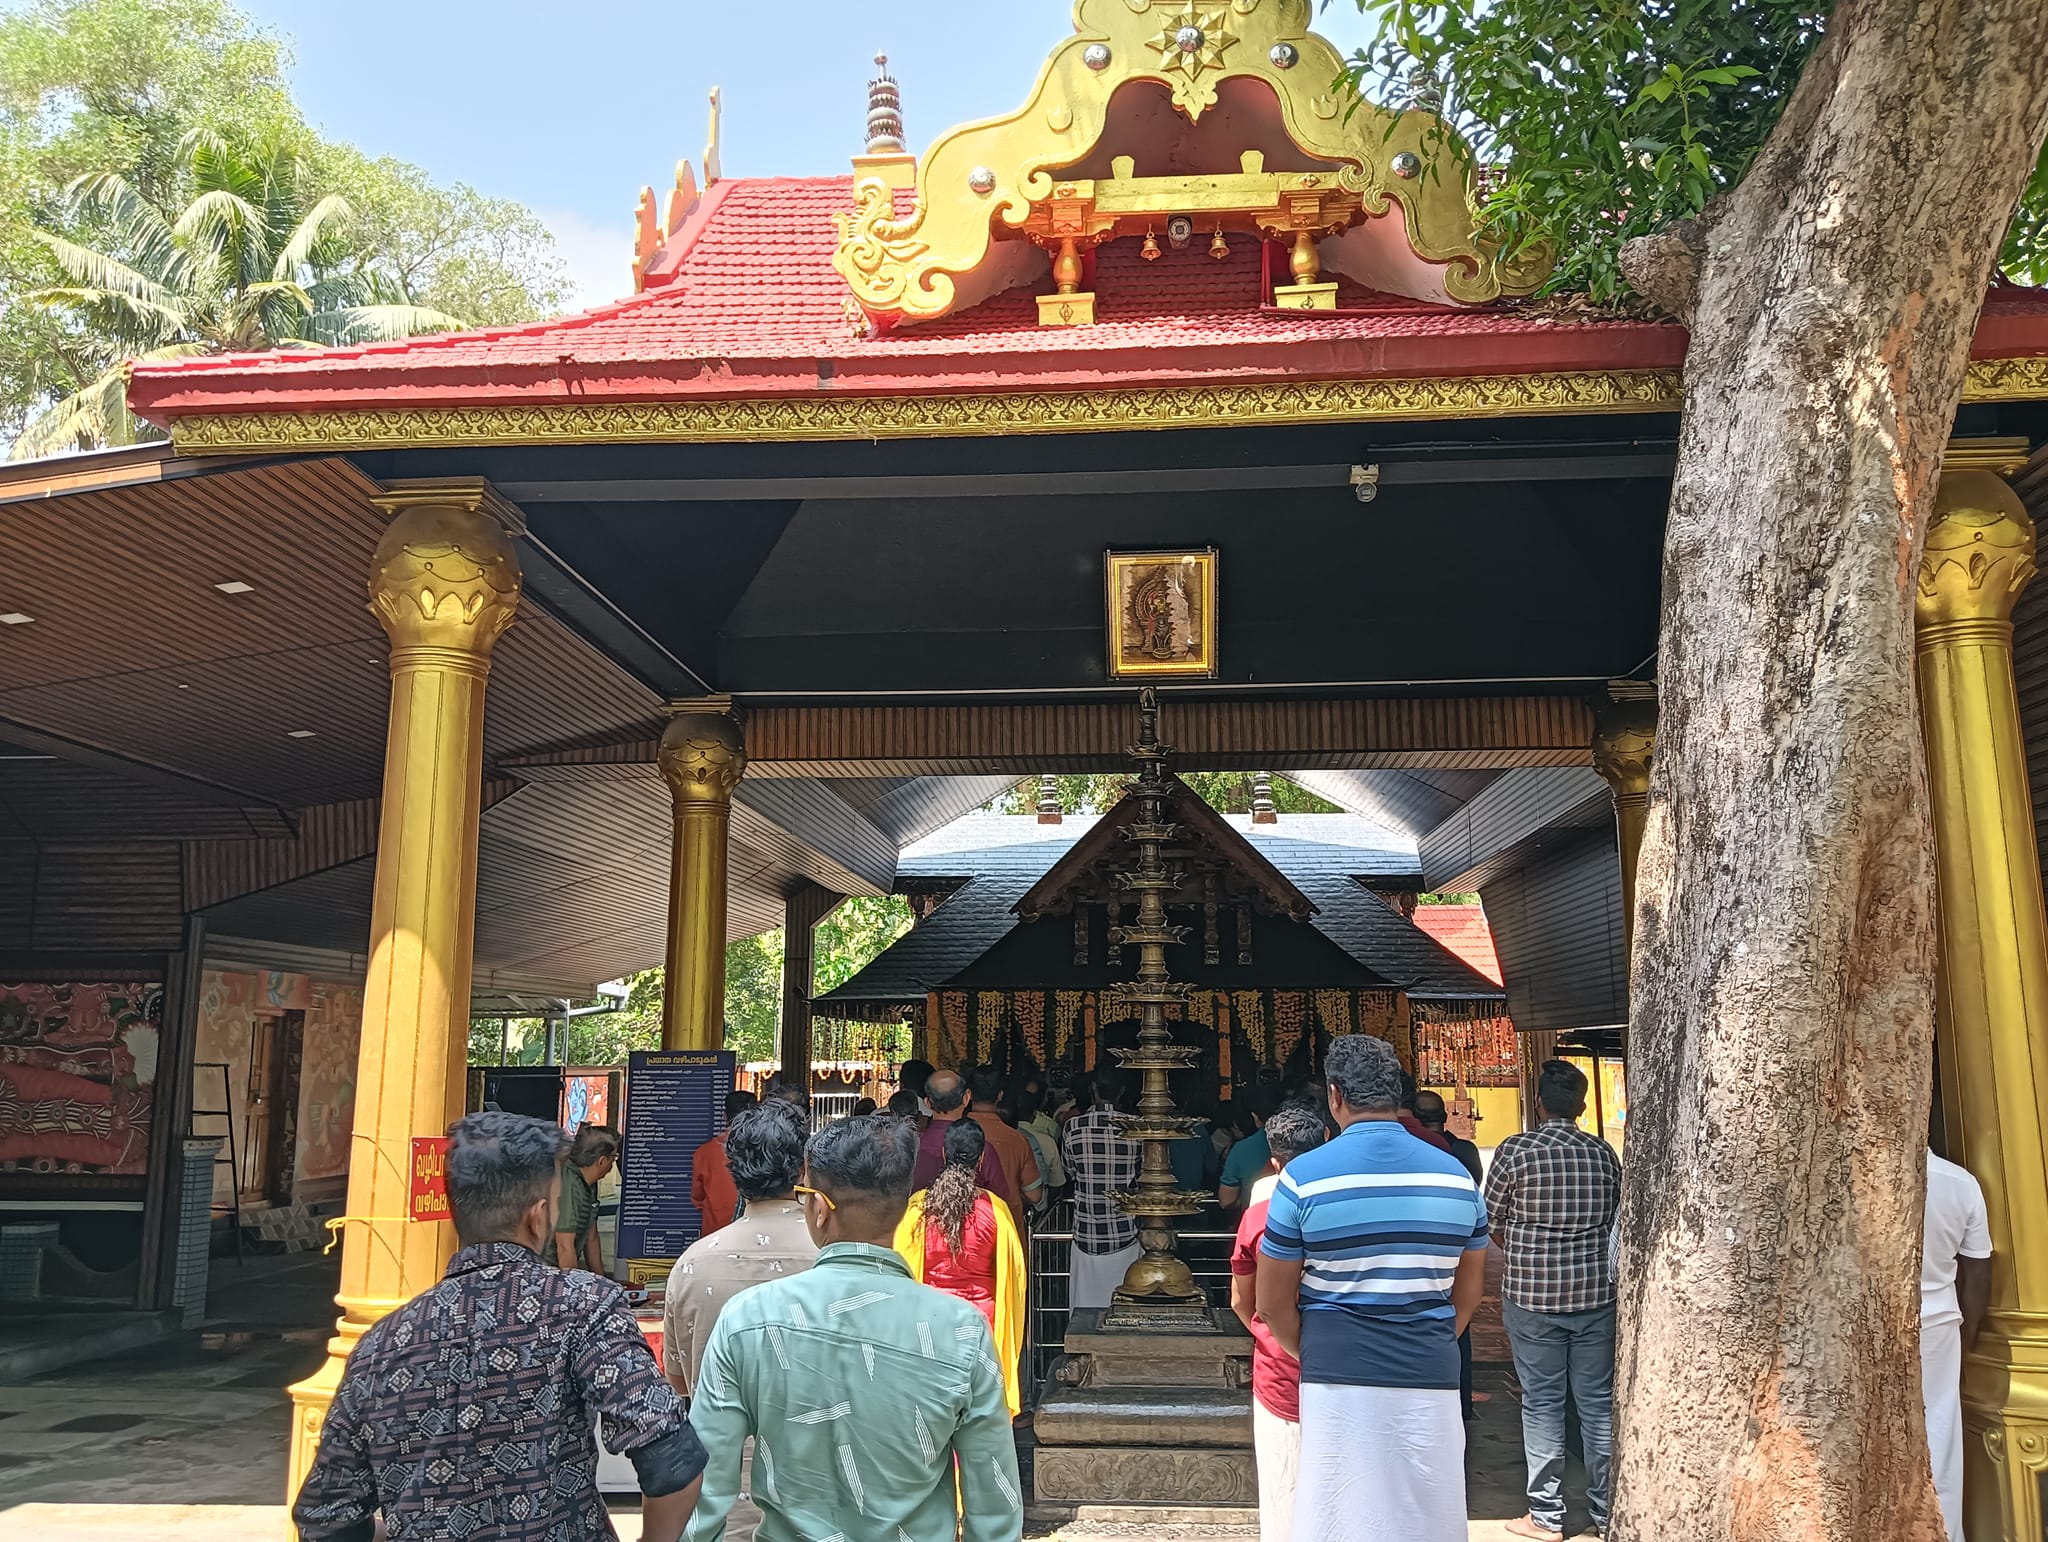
<point x="1066" y="1013"/>
<point x="1290" y="1020"/>
<point x="1250" y="1010"/>
<point x="1030" y="1010"/>
<point x="953" y="1046"/>
<point x="989" y="1019"/>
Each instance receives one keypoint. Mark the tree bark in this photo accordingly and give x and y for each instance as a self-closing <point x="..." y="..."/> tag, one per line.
<point x="1783" y="994"/>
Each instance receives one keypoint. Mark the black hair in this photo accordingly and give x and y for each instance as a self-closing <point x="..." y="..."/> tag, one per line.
<point x="913" y="1074"/>
<point x="903" y="1103"/>
<point x="1561" y="1088"/>
<point x="1293" y="1129"/>
<point x="1030" y="1099"/>
<point x="864" y="1106"/>
<point x="1408" y="1092"/>
<point x="593" y="1143"/>
<point x="1266" y="1100"/>
<point x="1365" y="1073"/>
<point x="986" y="1083"/>
<point x="499" y="1166"/>
<point x="1429" y="1108"/>
<point x="964" y="1143"/>
<point x="1108" y="1085"/>
<point x="764" y="1148"/>
<point x="954" y="1193"/>
<point x="737" y="1100"/>
<point x="864" y="1163"/>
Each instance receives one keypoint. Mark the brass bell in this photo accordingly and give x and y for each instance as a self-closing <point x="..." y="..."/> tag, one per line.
<point x="1218" y="247"/>
<point x="1150" y="250"/>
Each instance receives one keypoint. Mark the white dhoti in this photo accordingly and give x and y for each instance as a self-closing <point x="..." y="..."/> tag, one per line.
<point x="1941" y="1389"/>
<point x="1277" y="1444"/>
<point x="1380" y="1464"/>
<point x="1094" y="1277"/>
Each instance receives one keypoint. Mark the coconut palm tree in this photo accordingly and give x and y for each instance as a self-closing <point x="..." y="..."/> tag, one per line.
<point x="253" y="262"/>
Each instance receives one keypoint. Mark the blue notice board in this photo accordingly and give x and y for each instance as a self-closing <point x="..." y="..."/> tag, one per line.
<point x="675" y="1101"/>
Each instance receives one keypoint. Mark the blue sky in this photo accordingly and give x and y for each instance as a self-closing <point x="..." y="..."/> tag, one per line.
<point x="571" y="108"/>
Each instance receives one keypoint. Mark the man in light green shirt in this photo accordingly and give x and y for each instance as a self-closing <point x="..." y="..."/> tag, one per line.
<point x="858" y="1385"/>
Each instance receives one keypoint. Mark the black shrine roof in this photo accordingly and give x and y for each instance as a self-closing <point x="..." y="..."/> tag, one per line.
<point x="1330" y="858"/>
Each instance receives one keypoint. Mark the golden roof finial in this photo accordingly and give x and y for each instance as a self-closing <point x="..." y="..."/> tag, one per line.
<point x="885" y="111"/>
<point x="711" y="170"/>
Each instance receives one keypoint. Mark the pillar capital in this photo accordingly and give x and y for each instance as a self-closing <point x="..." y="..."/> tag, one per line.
<point x="1625" y="736"/>
<point x="445" y="574"/>
<point x="703" y="752"/>
<point x="1979" y="553"/>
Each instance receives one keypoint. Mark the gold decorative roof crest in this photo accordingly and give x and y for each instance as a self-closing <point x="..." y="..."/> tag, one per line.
<point x="1078" y="165"/>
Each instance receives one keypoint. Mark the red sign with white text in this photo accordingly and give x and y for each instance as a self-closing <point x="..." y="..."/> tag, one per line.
<point x="429" y="1179"/>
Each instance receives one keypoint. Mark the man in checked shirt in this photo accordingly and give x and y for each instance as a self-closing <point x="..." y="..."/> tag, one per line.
<point x="1551" y="1198"/>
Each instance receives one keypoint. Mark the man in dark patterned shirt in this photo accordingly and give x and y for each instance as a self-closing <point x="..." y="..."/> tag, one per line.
<point x="1552" y="1196"/>
<point x="470" y="1412"/>
<point x="1100" y="1161"/>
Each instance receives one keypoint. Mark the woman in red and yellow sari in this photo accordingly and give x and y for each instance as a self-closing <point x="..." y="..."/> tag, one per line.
<point x="959" y="1238"/>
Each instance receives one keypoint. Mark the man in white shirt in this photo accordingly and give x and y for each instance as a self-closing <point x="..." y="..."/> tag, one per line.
<point x="1955" y="1291"/>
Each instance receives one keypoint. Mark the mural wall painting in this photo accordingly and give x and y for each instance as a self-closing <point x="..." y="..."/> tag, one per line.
<point x="77" y="1074"/>
<point x="230" y="1004"/>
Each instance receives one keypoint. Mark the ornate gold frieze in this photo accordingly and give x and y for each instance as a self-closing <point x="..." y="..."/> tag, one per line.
<point x="969" y="414"/>
<point x="1000" y="178"/>
<point x="935" y="416"/>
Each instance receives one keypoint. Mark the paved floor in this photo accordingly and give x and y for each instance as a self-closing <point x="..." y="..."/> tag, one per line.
<point x="185" y="1441"/>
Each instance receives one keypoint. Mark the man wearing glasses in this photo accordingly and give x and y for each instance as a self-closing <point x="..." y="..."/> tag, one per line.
<point x="859" y="1386"/>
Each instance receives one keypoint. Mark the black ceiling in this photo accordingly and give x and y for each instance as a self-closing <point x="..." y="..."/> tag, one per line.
<point x="1494" y="553"/>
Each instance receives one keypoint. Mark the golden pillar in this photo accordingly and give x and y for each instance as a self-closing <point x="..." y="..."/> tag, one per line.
<point x="1624" y="737"/>
<point x="702" y="758"/>
<point x="1993" y="1018"/>
<point x="445" y="584"/>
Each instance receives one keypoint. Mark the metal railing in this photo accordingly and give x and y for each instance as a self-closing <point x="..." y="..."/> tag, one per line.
<point x="1049" y="1252"/>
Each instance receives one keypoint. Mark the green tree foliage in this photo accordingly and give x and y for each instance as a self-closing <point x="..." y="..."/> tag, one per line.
<point x="117" y="88"/>
<point x="854" y="935"/>
<point x="847" y="942"/>
<point x="1228" y="792"/>
<point x="1601" y="121"/>
<point x="254" y="261"/>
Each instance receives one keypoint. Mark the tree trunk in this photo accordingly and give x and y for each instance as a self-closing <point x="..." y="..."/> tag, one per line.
<point x="1782" y="1025"/>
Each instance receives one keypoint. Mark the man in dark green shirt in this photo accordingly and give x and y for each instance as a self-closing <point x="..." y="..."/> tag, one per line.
<point x="590" y="1158"/>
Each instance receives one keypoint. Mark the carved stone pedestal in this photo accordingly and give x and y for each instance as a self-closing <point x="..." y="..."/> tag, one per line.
<point x="1139" y="1417"/>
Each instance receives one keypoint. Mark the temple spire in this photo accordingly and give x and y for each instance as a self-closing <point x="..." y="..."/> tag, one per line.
<point x="884" y="156"/>
<point x="885" y="111"/>
<point x="1264" y="811"/>
<point x="1049" y="800"/>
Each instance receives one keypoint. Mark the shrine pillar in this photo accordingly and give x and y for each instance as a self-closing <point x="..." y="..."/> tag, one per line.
<point x="1624" y="737"/>
<point x="445" y="584"/>
<point x="1992" y="1017"/>
<point x="801" y="913"/>
<point x="702" y="757"/>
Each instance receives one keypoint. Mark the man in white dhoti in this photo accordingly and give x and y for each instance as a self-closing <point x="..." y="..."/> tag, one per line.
<point x="1955" y="1292"/>
<point x="1373" y="1262"/>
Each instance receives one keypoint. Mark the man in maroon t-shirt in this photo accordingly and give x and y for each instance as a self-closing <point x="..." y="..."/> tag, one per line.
<point x="1276" y="1375"/>
<point x="946" y="1092"/>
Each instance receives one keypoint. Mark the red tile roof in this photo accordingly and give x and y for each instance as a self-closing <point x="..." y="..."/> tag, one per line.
<point x="754" y="309"/>
<point x="1462" y="929"/>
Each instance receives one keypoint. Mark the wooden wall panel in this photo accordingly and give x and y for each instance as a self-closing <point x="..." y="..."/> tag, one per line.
<point x="109" y="898"/>
<point x="988" y="739"/>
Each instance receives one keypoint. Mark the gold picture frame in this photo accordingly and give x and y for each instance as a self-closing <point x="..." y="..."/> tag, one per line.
<point x="1161" y="613"/>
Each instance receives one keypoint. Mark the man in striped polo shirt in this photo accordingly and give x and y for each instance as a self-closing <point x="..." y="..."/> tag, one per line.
<point x="1373" y="1262"/>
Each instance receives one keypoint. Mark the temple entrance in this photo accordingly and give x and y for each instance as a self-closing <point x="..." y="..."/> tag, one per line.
<point x="270" y="1143"/>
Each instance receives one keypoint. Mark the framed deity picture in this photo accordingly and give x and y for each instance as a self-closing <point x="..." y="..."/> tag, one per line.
<point x="1162" y="613"/>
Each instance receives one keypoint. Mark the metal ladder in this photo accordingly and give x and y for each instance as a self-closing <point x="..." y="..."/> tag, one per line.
<point x="229" y="1155"/>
